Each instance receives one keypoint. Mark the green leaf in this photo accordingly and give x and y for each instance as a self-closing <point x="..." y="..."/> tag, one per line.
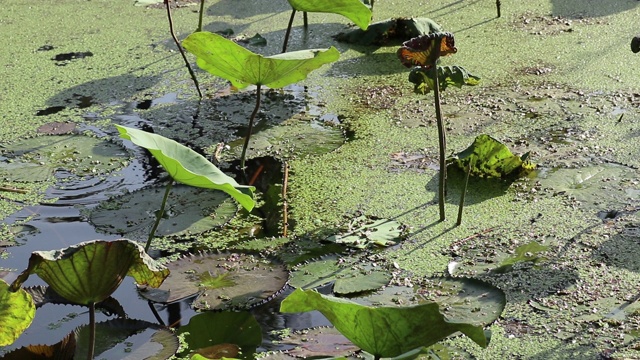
<point x="489" y="157"/>
<point x="91" y="271"/>
<point x="224" y="58"/>
<point x="527" y="252"/>
<point x="383" y="331"/>
<point x="187" y="166"/>
<point x="364" y="231"/>
<point x="16" y="313"/>
<point x="353" y="10"/>
<point x="452" y="75"/>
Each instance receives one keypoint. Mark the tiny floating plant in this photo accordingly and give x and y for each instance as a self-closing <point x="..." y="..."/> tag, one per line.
<point x="225" y="58"/>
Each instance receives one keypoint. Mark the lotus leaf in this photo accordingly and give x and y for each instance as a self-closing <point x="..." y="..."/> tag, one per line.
<point x="224" y="281"/>
<point x="489" y="157"/>
<point x="133" y="214"/>
<point x="389" y="31"/>
<point x="353" y="10"/>
<point x="524" y="253"/>
<point x="91" y="271"/>
<point x="364" y="231"/>
<point x="187" y="166"/>
<point x="349" y="276"/>
<point x="127" y="339"/>
<point x="64" y="349"/>
<point x="240" y="329"/>
<point x="224" y="58"/>
<point x="384" y="331"/>
<point x="17" y="310"/>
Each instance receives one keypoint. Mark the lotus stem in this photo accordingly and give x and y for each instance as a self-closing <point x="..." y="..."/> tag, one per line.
<point x="305" y="21"/>
<point x="442" y="141"/>
<point x="201" y="14"/>
<point x="288" y="32"/>
<point x="184" y="57"/>
<point x="498" y="7"/>
<point x="92" y="330"/>
<point x="250" y="129"/>
<point x="159" y="215"/>
<point x="285" y="206"/>
<point x="464" y="192"/>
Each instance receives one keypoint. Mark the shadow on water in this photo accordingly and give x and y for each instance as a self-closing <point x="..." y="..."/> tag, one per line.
<point x="591" y="8"/>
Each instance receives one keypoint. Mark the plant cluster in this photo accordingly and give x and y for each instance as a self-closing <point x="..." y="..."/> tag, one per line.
<point x="88" y="273"/>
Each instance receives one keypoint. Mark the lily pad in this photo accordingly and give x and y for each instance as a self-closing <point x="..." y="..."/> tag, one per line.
<point x="489" y="157"/>
<point x="38" y="158"/>
<point x="390" y="31"/>
<point x="63" y="350"/>
<point x="91" y="271"/>
<point x="189" y="211"/>
<point x="364" y="231"/>
<point x="222" y="281"/>
<point x="222" y="332"/>
<point x="350" y="276"/>
<point x="322" y="342"/>
<point x="187" y="166"/>
<point x="524" y="253"/>
<point x="17" y="310"/>
<point x="384" y="331"/>
<point x="128" y="339"/>
<point x="222" y="57"/>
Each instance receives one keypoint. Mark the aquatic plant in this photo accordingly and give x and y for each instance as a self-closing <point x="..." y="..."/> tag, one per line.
<point x="354" y="10"/>
<point x="90" y="272"/>
<point x="16" y="313"/>
<point x="422" y="54"/>
<point x="187" y="167"/>
<point x="225" y="58"/>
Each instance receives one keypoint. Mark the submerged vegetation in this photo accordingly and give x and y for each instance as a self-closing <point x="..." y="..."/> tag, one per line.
<point x="392" y="280"/>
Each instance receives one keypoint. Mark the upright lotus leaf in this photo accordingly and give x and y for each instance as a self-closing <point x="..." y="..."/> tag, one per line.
<point x="224" y="58"/>
<point x="354" y="10"/>
<point x="489" y="157"/>
<point x="187" y="166"/>
<point x="383" y="331"/>
<point x="91" y="271"/>
<point x="16" y="313"/>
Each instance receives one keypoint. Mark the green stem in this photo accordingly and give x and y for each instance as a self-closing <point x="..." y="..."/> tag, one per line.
<point x="92" y="330"/>
<point x="442" y="141"/>
<point x="201" y="14"/>
<point x="250" y="129"/>
<point x="288" y="32"/>
<point x="464" y="192"/>
<point x="184" y="57"/>
<point x="159" y="215"/>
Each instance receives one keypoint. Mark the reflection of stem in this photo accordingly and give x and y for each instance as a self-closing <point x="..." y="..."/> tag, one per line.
<point x="288" y="32"/>
<point x="464" y="192"/>
<point x="92" y="330"/>
<point x="250" y="129"/>
<point x="201" y="14"/>
<point x="285" y="209"/>
<point x="159" y="215"/>
<point x="442" y="142"/>
<point x="184" y="57"/>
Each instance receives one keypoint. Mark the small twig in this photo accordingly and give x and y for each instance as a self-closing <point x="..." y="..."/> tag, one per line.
<point x="464" y="192"/>
<point x="175" y="39"/>
<point x="254" y="178"/>
<point x="13" y="189"/>
<point x="285" y="214"/>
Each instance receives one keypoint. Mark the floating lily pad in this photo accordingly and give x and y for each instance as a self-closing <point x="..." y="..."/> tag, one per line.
<point x="364" y="231"/>
<point x="489" y="157"/>
<point x="127" y="339"/>
<point x="232" y="332"/>
<point x="350" y="276"/>
<point x="528" y="252"/>
<point x="17" y="310"/>
<point x="37" y="158"/>
<point x="223" y="281"/>
<point x="57" y="128"/>
<point x="606" y="186"/>
<point x="390" y="31"/>
<point x="323" y="342"/>
<point x="64" y="349"/>
<point x="189" y="211"/>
